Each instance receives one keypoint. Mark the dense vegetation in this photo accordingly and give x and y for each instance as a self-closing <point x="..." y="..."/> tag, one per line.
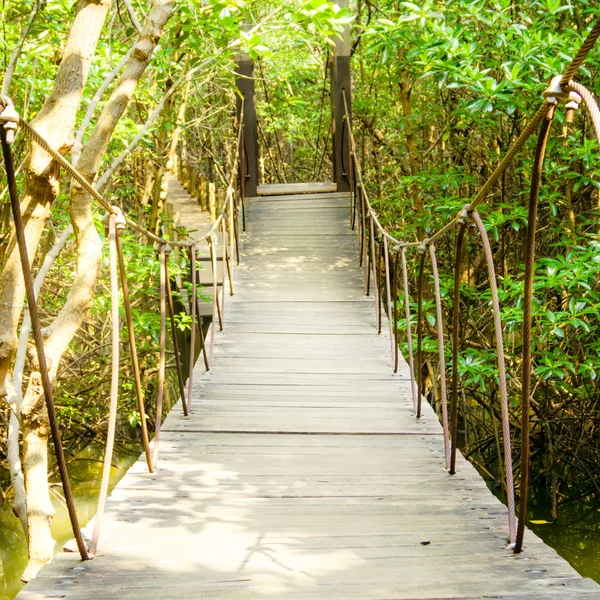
<point x="465" y="81"/>
<point x="440" y="90"/>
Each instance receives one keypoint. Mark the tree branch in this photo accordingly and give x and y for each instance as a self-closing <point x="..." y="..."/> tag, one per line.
<point x="133" y="16"/>
<point x="16" y="54"/>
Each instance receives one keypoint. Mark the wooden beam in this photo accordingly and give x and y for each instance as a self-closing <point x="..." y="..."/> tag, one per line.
<point x="249" y="155"/>
<point x="340" y="83"/>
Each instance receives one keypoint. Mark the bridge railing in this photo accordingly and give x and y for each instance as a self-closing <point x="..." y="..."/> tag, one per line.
<point x="226" y="224"/>
<point x="384" y="256"/>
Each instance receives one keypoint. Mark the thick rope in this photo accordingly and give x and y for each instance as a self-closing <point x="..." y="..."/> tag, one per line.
<point x="581" y="55"/>
<point x="133" y="347"/>
<point x="455" y="350"/>
<point x="162" y="363"/>
<point x="411" y="365"/>
<point x="114" y="383"/>
<point x="536" y="175"/>
<point x="441" y="355"/>
<point x="39" y="343"/>
<point x="420" y="390"/>
<point x="510" y="487"/>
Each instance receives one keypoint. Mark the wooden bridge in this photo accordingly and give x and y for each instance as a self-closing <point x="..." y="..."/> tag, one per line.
<point x="302" y="471"/>
<point x="302" y="464"/>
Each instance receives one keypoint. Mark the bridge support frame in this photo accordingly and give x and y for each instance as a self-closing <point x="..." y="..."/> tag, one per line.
<point x="249" y="152"/>
<point x="340" y="84"/>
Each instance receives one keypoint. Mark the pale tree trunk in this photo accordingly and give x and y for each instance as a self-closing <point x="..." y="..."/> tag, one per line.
<point x="89" y="254"/>
<point x="55" y="122"/>
<point x="162" y="149"/>
<point x="35" y="433"/>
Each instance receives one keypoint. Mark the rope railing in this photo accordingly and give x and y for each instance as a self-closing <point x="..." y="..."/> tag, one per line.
<point x="226" y="224"/>
<point x="375" y="242"/>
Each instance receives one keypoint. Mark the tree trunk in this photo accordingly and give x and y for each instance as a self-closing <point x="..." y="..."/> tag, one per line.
<point x="35" y="431"/>
<point x="89" y="255"/>
<point x="56" y="122"/>
<point x="410" y="133"/>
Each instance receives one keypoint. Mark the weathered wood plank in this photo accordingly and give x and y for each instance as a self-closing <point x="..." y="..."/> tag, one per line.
<point x="278" y="189"/>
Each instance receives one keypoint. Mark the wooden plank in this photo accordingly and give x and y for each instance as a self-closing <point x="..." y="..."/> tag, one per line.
<point x="280" y="189"/>
<point x="282" y="200"/>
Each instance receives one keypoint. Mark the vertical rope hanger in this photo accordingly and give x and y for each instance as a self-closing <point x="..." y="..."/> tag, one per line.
<point x="420" y="277"/>
<point x="505" y="417"/>
<point x="171" y="308"/>
<point x="388" y="292"/>
<point x="460" y="234"/>
<point x="114" y="381"/>
<point x="411" y="364"/>
<point x="441" y="353"/>
<point x="193" y="309"/>
<point x="162" y="357"/>
<point x="6" y="138"/>
<point x="120" y="226"/>
<point x="536" y="175"/>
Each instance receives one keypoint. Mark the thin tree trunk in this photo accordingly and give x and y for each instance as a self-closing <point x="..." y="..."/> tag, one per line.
<point x="410" y="133"/>
<point x="55" y="122"/>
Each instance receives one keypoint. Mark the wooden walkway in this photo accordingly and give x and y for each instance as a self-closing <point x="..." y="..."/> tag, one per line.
<point x="302" y="472"/>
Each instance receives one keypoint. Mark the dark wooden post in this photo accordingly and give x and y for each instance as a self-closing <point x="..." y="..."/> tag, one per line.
<point x="245" y="83"/>
<point x="340" y="83"/>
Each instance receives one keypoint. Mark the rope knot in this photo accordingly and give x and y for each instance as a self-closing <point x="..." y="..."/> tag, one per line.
<point x="573" y="104"/>
<point x="422" y="247"/>
<point x="464" y="216"/>
<point x="9" y="117"/>
<point x="120" y="221"/>
<point x="555" y="93"/>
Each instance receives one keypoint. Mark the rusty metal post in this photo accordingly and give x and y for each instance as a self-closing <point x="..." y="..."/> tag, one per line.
<point x="132" y="344"/>
<point x="245" y="102"/>
<point x="341" y="83"/>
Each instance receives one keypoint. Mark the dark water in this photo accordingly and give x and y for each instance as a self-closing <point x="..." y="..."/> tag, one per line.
<point x="575" y="535"/>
